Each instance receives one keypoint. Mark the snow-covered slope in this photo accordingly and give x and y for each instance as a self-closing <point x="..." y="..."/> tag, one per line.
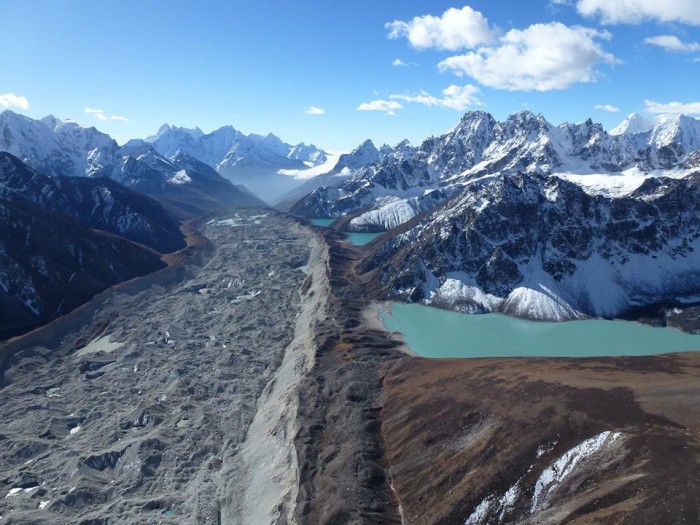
<point x="543" y="248"/>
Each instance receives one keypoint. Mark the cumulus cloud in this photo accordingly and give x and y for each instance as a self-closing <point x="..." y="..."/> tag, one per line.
<point x="399" y="63"/>
<point x="314" y="110"/>
<point x="455" y="29"/>
<point x="687" y="108"/>
<point x="388" y="107"/>
<point x="454" y="97"/>
<point x="606" y="107"/>
<point x="672" y="43"/>
<point x="636" y="11"/>
<point x="541" y="57"/>
<point x="10" y="100"/>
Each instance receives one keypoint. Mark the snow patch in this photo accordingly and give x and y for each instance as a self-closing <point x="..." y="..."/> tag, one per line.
<point x="479" y="513"/>
<point x="555" y="474"/>
<point x="180" y="177"/>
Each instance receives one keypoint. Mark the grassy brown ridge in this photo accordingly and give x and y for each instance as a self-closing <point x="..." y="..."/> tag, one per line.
<point x="458" y="431"/>
<point x="454" y="432"/>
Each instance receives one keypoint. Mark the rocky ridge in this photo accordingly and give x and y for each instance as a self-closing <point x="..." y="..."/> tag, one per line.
<point x="404" y="182"/>
<point x="64" y="239"/>
<point x="545" y="249"/>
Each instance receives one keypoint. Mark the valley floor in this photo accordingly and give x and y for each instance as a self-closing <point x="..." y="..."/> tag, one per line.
<point x="145" y="405"/>
<point x="249" y="383"/>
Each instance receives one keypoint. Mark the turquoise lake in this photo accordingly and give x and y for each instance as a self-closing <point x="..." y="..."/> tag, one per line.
<point x="431" y="332"/>
<point x="322" y="222"/>
<point x="359" y="239"/>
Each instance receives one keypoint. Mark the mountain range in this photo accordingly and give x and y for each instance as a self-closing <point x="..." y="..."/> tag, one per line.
<point x="530" y="219"/>
<point x="251" y="160"/>
<point x="409" y="180"/>
<point x="519" y="216"/>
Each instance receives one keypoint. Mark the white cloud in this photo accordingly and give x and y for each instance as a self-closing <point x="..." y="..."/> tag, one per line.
<point x="96" y="113"/>
<point x="454" y="97"/>
<point x="399" y="63"/>
<point x="100" y="114"/>
<point x="606" y="107"/>
<point x="10" y="100"/>
<point x="672" y="43"/>
<point x="636" y="11"/>
<point x="314" y="110"/>
<point x="560" y="2"/>
<point x="386" y="106"/>
<point x="541" y="57"/>
<point x="687" y="108"/>
<point x="455" y="29"/>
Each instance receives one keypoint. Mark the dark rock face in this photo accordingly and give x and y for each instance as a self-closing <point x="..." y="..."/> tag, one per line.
<point x="99" y="203"/>
<point x="546" y="234"/>
<point x="51" y="264"/>
<point x="64" y="239"/>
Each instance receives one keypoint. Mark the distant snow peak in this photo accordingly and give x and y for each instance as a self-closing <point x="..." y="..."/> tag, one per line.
<point x="633" y="123"/>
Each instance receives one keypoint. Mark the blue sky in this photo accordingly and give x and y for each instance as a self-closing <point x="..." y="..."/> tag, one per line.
<point x="129" y="66"/>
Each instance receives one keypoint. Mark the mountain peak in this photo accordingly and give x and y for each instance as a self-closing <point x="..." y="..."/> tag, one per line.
<point x="633" y="123"/>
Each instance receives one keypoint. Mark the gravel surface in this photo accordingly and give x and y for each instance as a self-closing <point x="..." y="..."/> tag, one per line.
<point x="142" y="414"/>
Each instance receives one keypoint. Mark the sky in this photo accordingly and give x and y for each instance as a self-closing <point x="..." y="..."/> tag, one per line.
<point x="336" y="73"/>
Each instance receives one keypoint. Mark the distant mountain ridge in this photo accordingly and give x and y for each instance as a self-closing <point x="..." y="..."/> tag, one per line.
<point x="409" y="180"/>
<point x="52" y="147"/>
<point x="252" y="160"/>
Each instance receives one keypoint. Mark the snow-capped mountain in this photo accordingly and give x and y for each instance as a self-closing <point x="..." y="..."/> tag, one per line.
<point x="64" y="239"/>
<point x="634" y="123"/>
<point x="56" y="148"/>
<point x="308" y="154"/>
<point x="182" y="183"/>
<point x="479" y="146"/>
<point x="252" y="160"/>
<point x="543" y="248"/>
<point x="346" y="166"/>
<point x="531" y="219"/>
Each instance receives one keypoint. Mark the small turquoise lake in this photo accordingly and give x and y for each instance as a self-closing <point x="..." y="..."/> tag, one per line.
<point x="358" y="239"/>
<point x="431" y="332"/>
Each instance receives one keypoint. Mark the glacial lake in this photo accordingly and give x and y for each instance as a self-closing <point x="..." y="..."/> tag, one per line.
<point x="358" y="239"/>
<point x="431" y="332"/>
